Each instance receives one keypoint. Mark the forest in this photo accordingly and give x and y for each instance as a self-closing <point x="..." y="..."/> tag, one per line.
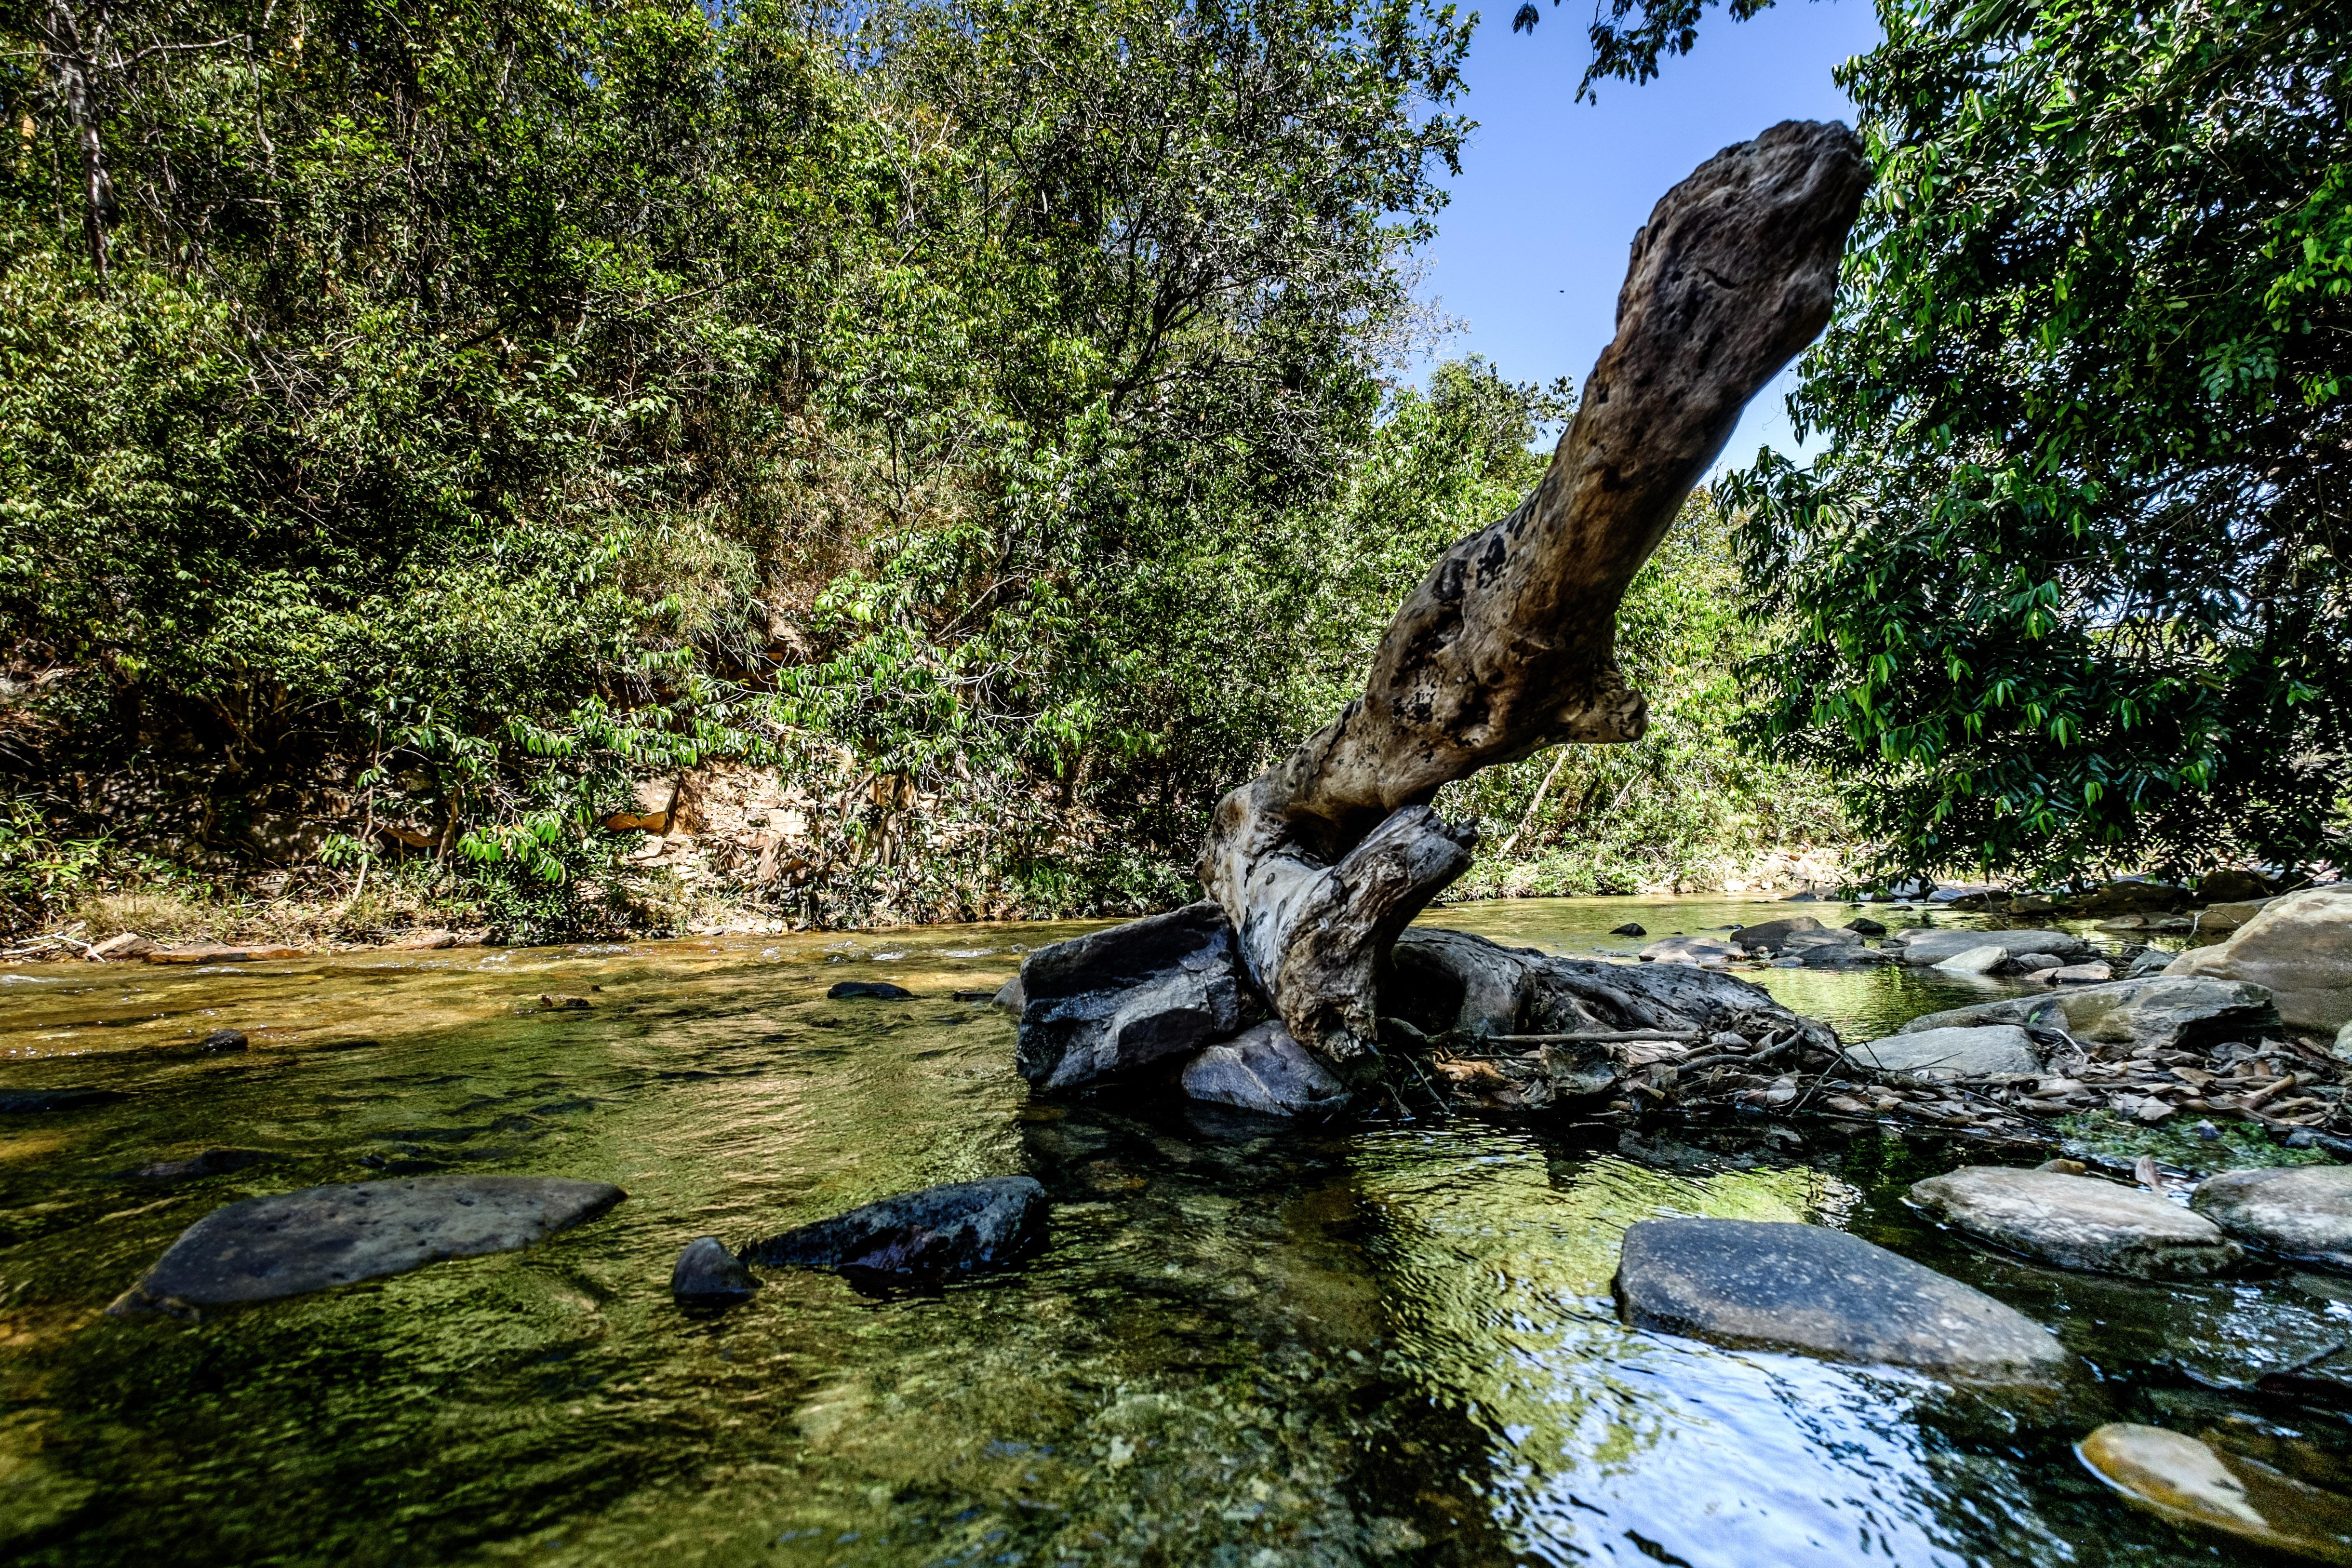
<point x="999" y="427"/>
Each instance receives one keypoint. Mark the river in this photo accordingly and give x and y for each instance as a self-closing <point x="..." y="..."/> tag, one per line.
<point x="1376" y="1343"/>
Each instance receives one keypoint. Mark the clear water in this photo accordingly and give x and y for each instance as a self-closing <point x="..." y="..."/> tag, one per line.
<point x="1388" y="1343"/>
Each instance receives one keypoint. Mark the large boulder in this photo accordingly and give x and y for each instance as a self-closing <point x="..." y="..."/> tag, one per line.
<point x="319" y="1237"/>
<point x="2221" y="919"/>
<point x="1114" y="1000"/>
<point x="1823" y="1292"/>
<point x="2160" y="1010"/>
<point x="1266" y="1071"/>
<point x="2296" y="1211"/>
<point x="1927" y="948"/>
<point x="2300" y="948"/>
<point x="2079" y="1221"/>
<point x="1987" y="1050"/>
<point x="921" y="1235"/>
<point x="1441" y="981"/>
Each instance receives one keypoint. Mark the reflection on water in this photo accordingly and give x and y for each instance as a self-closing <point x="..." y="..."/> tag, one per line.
<point x="1384" y="1343"/>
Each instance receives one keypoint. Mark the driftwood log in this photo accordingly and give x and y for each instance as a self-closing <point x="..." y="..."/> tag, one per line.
<point x="1509" y="645"/>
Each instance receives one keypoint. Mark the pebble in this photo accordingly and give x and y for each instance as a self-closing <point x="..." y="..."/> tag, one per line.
<point x="2178" y="1478"/>
<point x="2079" y="1221"/>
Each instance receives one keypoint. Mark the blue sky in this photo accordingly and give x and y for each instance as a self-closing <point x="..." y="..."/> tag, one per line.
<point x="1533" y="246"/>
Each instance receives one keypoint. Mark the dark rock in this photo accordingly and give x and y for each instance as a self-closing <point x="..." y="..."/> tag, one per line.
<point x="2235" y="887"/>
<point x="919" y="1236"/>
<point x="1866" y="926"/>
<point x="1631" y="928"/>
<point x="35" y="1102"/>
<point x="878" y="990"/>
<point x="1114" y="1000"/>
<point x="2026" y="963"/>
<point x="1448" y="981"/>
<point x="2304" y="1212"/>
<point x="205" y="1163"/>
<point x="554" y="1002"/>
<point x="1805" y="898"/>
<point x="263" y="1248"/>
<point x="222" y="1040"/>
<point x="1770" y="936"/>
<point x="1266" y="1071"/>
<point x="1826" y="1293"/>
<point x="707" y="1275"/>
<point x="1841" y="955"/>
<point x="2079" y="1221"/>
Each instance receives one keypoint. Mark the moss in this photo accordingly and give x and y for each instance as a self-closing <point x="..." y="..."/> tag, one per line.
<point x="2176" y="1143"/>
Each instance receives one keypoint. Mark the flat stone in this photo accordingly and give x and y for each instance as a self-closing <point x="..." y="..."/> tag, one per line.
<point x="2301" y="1212"/>
<point x="2078" y="1222"/>
<point x="1114" y="1000"/>
<point x="2166" y="1011"/>
<point x="2178" y="1478"/>
<point x="1985" y="1049"/>
<point x="2299" y="947"/>
<point x="1266" y="1071"/>
<point x="1823" y="1292"/>
<point x="925" y="1235"/>
<point x="1977" y="959"/>
<point x="876" y="990"/>
<point x="319" y="1237"/>
<point x="1690" y="950"/>
<point x="119" y="947"/>
<point x="1927" y="948"/>
<point x="2028" y="964"/>
<point x="2077" y="975"/>
<point x="1841" y="955"/>
<point x="707" y="1275"/>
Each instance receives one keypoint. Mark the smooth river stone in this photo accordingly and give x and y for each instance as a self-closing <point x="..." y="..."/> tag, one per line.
<point x="2079" y="1221"/>
<point x="319" y="1237"/>
<point x="707" y="1275"/>
<point x="1981" y="959"/>
<point x="1988" y="1048"/>
<point x="1779" y="1286"/>
<point x="1266" y="1071"/>
<point x="1932" y="947"/>
<point x="924" y="1235"/>
<point x="2181" y="1479"/>
<point x="2298" y="1211"/>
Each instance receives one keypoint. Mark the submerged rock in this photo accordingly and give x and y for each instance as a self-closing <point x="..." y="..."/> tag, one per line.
<point x="222" y="955"/>
<point x="224" y="1040"/>
<point x="2302" y="1212"/>
<point x="925" y="1235"/>
<point x="1840" y="955"/>
<point x="203" y="1162"/>
<point x="1631" y="928"/>
<point x="2079" y="1221"/>
<point x="319" y="1237"/>
<point x="1009" y="997"/>
<point x="1928" y="948"/>
<point x="2299" y="948"/>
<point x="878" y="990"/>
<point x="1826" y="1293"/>
<point x="707" y="1275"/>
<point x="2188" y="1482"/>
<point x="1114" y="1000"/>
<point x="35" y="1101"/>
<point x="1266" y="1071"/>
<point x="2166" y="1011"/>
<point x="1950" y="1053"/>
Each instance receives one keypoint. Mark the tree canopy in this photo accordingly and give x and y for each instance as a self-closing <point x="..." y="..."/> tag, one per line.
<point x="2066" y="587"/>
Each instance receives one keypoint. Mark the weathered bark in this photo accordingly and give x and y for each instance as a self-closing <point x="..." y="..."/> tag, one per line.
<point x="1509" y="645"/>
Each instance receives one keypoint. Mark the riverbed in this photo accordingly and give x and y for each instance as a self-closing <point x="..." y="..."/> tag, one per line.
<point x="1386" y="1342"/>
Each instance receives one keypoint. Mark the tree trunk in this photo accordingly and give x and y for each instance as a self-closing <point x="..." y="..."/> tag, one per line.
<point x="1509" y="645"/>
<point x="72" y="55"/>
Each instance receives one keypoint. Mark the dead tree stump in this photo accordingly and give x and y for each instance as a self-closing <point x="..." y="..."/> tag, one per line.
<point x="1509" y="645"/>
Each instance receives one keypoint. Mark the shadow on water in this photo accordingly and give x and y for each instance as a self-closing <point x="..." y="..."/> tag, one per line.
<point x="1390" y="1342"/>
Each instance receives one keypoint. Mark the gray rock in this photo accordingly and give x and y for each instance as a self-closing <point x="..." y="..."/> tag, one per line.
<point x="319" y="1237"/>
<point x="878" y="990"/>
<point x="707" y="1275"/>
<point x="1770" y="936"/>
<point x="925" y="1235"/>
<point x="1932" y="947"/>
<point x="1976" y="960"/>
<point x="1689" y="950"/>
<point x="1848" y="955"/>
<point x="2152" y="961"/>
<point x="1806" y="940"/>
<point x="2297" y="1211"/>
<point x="1821" y="1291"/>
<point x="1010" y="998"/>
<point x="2077" y="975"/>
<point x="2235" y="885"/>
<point x="2079" y="1221"/>
<point x="1984" y="1050"/>
<point x="2300" y="948"/>
<point x="1111" y="1001"/>
<point x="2162" y="1010"/>
<point x="2026" y="963"/>
<point x="1266" y="1071"/>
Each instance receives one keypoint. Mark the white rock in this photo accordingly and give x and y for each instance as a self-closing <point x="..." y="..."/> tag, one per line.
<point x="1976" y="960"/>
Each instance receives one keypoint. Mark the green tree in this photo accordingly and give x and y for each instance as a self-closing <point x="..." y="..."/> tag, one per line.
<point x="2066" y="590"/>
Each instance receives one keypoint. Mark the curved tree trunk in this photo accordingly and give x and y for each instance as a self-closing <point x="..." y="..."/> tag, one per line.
<point x="1509" y="645"/>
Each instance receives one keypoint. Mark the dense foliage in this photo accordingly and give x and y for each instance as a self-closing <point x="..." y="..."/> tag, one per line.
<point x="2067" y="588"/>
<point x="415" y="421"/>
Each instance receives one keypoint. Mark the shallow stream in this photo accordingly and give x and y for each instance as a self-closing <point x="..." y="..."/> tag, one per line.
<point x="1388" y="1343"/>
